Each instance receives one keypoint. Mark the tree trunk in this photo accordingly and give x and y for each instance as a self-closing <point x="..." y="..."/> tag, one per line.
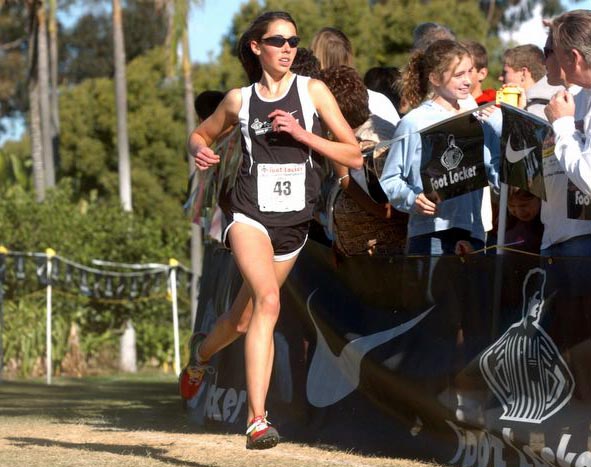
<point x="171" y="41"/>
<point x="44" y="107"/>
<point x="53" y="63"/>
<point x="121" y="105"/>
<point x="490" y="15"/>
<point x="189" y="95"/>
<point x="36" y="146"/>
<point x="34" y="115"/>
<point x="196" y="232"/>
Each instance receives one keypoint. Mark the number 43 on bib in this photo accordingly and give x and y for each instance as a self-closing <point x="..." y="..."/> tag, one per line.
<point x="281" y="187"/>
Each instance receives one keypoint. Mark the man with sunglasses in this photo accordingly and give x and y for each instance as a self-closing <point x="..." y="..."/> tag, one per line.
<point x="571" y="36"/>
<point x="560" y="233"/>
<point x="569" y="58"/>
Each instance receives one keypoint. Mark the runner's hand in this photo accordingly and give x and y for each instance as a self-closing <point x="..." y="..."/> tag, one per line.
<point x="283" y="121"/>
<point x="205" y="158"/>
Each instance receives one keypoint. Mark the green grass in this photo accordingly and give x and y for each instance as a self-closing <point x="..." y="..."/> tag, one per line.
<point x="125" y="402"/>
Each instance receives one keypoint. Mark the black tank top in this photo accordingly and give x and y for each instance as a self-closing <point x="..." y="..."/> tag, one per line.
<point x="278" y="182"/>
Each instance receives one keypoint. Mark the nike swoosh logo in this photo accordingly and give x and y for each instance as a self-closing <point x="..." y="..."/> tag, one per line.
<point x="332" y="377"/>
<point x="514" y="156"/>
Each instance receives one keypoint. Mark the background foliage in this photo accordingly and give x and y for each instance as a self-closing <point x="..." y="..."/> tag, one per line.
<point x="81" y="231"/>
<point x="82" y="218"/>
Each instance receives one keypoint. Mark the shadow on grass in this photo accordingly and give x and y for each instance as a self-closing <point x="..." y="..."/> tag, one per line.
<point x="118" y="403"/>
<point x="120" y="449"/>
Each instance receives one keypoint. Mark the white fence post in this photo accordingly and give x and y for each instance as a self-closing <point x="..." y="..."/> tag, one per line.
<point x="50" y="253"/>
<point x="173" y="263"/>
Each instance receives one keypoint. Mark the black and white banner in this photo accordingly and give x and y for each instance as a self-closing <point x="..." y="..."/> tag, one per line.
<point x="453" y="150"/>
<point x="526" y="138"/>
<point x="477" y="361"/>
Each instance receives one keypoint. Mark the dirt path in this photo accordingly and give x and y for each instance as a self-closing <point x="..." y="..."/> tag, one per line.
<point x="131" y="422"/>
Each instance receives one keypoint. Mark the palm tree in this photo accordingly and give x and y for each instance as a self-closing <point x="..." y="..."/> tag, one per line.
<point x="43" y="83"/>
<point x="196" y="232"/>
<point x="34" y="113"/>
<point x="127" y="346"/>
<point x="121" y="105"/>
<point x="53" y="62"/>
<point x="178" y="32"/>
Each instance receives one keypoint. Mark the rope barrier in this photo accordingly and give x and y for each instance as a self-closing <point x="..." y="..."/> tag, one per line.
<point x="142" y="282"/>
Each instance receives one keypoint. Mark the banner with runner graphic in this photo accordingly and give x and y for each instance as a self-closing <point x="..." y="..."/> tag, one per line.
<point x="525" y="140"/>
<point x="453" y="150"/>
<point x="474" y="361"/>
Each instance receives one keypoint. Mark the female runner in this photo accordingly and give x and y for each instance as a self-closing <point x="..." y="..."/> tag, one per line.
<point x="272" y="199"/>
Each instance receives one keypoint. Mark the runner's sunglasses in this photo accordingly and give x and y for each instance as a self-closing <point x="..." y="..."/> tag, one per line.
<point x="279" y="41"/>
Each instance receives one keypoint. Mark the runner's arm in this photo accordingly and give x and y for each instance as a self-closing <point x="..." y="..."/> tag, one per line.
<point x="345" y="148"/>
<point x="200" y="140"/>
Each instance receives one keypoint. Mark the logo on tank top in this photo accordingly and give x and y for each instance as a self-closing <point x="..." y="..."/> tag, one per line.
<point x="261" y="128"/>
<point x="524" y="368"/>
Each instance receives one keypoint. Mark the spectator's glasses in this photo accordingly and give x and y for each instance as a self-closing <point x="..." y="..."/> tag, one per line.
<point x="279" y="41"/>
<point x="548" y="51"/>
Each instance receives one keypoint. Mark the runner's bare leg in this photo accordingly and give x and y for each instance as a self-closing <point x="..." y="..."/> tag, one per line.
<point x="234" y="322"/>
<point x="254" y="256"/>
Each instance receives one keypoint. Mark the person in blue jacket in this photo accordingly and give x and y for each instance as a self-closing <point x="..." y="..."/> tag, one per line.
<point x="435" y="83"/>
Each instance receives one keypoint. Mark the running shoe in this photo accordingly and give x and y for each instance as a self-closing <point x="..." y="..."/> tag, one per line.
<point x="192" y="375"/>
<point x="260" y="434"/>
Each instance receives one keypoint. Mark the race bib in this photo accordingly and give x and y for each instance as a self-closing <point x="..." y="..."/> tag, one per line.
<point x="281" y="187"/>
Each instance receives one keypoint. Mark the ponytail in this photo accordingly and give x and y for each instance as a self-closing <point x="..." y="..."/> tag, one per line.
<point x="250" y="62"/>
<point x="415" y="81"/>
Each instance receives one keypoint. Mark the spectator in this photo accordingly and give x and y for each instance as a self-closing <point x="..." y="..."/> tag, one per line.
<point x="523" y="66"/>
<point x="571" y="33"/>
<point x="570" y="116"/>
<point x="479" y="72"/>
<point x="524" y="228"/>
<point x="332" y="47"/>
<point x="384" y="79"/>
<point x="362" y="225"/>
<point x="558" y="228"/>
<point x="306" y="63"/>
<point x="206" y="102"/>
<point x="426" y="33"/>
<point x="442" y="73"/>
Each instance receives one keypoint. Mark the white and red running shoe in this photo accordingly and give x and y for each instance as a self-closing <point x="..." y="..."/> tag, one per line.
<point x="260" y="434"/>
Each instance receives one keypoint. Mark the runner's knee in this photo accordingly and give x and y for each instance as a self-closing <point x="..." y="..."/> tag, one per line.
<point x="268" y="303"/>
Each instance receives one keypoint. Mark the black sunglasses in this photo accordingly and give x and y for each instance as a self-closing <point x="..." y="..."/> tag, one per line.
<point x="548" y="51"/>
<point x="279" y="41"/>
